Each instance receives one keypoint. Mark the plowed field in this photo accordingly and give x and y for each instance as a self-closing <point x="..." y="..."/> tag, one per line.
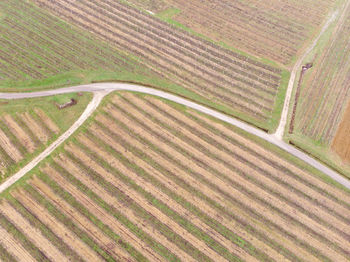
<point x="249" y="87"/>
<point x="149" y="180"/>
<point x="271" y="29"/>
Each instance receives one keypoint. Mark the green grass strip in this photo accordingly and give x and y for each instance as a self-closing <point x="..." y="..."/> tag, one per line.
<point x="67" y="222"/>
<point x="84" y="211"/>
<point x="6" y="256"/>
<point x="35" y="222"/>
<point x="141" y="212"/>
<point x="22" y="239"/>
<point x="169" y="212"/>
<point x="158" y="247"/>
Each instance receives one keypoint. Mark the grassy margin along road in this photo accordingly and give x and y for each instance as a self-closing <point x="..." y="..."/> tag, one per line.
<point x="256" y="133"/>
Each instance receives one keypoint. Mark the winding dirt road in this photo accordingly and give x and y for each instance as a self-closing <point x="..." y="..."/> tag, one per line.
<point x="100" y="90"/>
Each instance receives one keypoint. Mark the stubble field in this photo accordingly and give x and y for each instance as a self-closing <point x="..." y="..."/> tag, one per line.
<point x="149" y="180"/>
<point x="275" y="30"/>
<point x="321" y="117"/>
<point x="252" y="89"/>
<point x="28" y="126"/>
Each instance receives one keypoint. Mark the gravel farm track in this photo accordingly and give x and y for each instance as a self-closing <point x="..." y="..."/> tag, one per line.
<point x="101" y="89"/>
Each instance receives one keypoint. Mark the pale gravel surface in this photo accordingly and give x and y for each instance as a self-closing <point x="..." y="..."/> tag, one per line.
<point x="103" y="88"/>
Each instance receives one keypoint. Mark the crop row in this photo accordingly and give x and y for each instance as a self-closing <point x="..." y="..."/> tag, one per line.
<point x="326" y="89"/>
<point x="154" y="26"/>
<point x="238" y="151"/>
<point x="37" y="45"/>
<point x="266" y="30"/>
<point x="207" y="187"/>
<point x="147" y="181"/>
<point x="246" y="36"/>
<point x="167" y="40"/>
<point x="169" y="67"/>
<point x="309" y="222"/>
<point x="22" y="134"/>
<point x="205" y="76"/>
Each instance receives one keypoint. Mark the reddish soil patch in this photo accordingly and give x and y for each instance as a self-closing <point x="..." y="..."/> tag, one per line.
<point x="341" y="142"/>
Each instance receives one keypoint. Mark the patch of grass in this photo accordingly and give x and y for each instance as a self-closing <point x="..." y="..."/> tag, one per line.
<point x="67" y="222"/>
<point x="169" y="16"/>
<point x="22" y="239"/>
<point x="4" y="255"/>
<point x="83" y="210"/>
<point x="36" y="223"/>
<point x="62" y="118"/>
<point x="158" y="247"/>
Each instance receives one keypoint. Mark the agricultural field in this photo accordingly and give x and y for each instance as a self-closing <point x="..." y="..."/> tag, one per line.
<point x="324" y="96"/>
<point x="38" y="50"/>
<point x="28" y="126"/>
<point x="275" y="30"/>
<point x="252" y="89"/>
<point x="149" y="180"/>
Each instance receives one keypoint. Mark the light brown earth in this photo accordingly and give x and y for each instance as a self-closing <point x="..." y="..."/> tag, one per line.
<point x="10" y="148"/>
<point x="33" y="234"/>
<point x="20" y="134"/>
<point x="37" y="129"/>
<point x="14" y="247"/>
<point x="47" y="120"/>
<point x="80" y="221"/>
<point x="341" y="141"/>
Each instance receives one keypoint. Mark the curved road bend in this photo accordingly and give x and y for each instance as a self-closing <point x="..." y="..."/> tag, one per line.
<point x="100" y="90"/>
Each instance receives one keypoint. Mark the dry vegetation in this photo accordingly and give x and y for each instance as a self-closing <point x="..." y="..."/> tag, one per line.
<point x="28" y="126"/>
<point x="35" y="46"/>
<point x="326" y="89"/>
<point x="228" y="78"/>
<point x="148" y="180"/>
<point x="341" y="142"/>
<point x="271" y="29"/>
<point x="22" y="134"/>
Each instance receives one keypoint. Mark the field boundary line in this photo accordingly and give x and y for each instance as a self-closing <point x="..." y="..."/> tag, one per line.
<point x="101" y="89"/>
<point x="91" y="107"/>
<point x="284" y="116"/>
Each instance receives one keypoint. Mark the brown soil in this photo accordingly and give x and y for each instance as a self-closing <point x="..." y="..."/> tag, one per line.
<point x="14" y="247"/>
<point x="10" y="149"/>
<point x="56" y="227"/>
<point x="341" y="142"/>
<point x="47" y="120"/>
<point x="37" y="129"/>
<point x="33" y="234"/>
<point x="20" y="134"/>
<point x="80" y="221"/>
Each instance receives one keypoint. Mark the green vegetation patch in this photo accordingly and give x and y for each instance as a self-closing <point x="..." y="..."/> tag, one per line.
<point x="63" y="119"/>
